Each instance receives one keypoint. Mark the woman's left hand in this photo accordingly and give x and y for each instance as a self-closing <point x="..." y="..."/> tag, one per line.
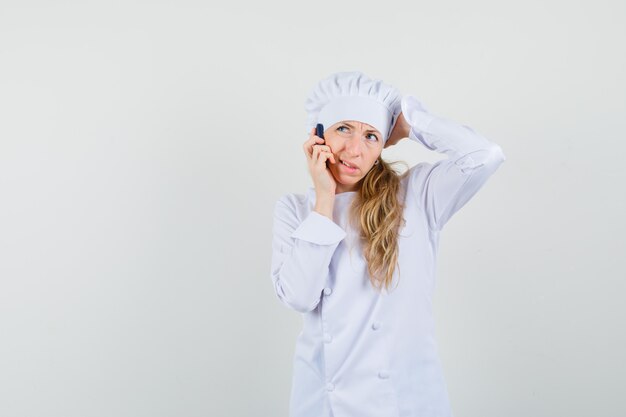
<point x="400" y="131"/>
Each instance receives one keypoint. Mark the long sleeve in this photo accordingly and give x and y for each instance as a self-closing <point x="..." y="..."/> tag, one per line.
<point x="444" y="187"/>
<point x="301" y="255"/>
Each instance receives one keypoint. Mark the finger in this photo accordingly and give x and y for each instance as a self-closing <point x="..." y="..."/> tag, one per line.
<point x="309" y="145"/>
<point x="318" y="153"/>
<point x="325" y="154"/>
<point x="326" y="148"/>
<point x="316" y="140"/>
<point x="315" y="146"/>
<point x="313" y="136"/>
<point x="329" y="155"/>
<point x="315" y="154"/>
<point x="321" y="160"/>
<point x="310" y="139"/>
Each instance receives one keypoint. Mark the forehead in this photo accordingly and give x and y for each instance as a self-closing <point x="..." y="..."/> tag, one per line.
<point x="356" y="123"/>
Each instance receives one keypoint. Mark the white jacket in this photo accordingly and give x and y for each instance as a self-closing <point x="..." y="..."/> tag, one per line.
<point x="362" y="353"/>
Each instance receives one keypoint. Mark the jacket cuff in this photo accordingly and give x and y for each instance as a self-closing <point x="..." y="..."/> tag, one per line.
<point x="319" y="229"/>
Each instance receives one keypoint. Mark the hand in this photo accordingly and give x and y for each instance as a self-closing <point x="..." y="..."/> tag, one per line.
<point x="317" y="154"/>
<point x="401" y="130"/>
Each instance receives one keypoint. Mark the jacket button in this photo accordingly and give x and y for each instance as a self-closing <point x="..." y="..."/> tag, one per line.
<point x="327" y="338"/>
<point x="327" y="291"/>
<point x="383" y="374"/>
<point x="376" y="325"/>
<point x="330" y="386"/>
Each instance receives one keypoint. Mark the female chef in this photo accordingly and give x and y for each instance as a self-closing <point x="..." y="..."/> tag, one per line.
<point x="356" y="254"/>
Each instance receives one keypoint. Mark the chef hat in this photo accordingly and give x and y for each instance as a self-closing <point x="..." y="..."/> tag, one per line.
<point x="352" y="95"/>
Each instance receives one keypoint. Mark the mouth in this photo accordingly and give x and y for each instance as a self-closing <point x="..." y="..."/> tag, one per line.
<point x="348" y="167"/>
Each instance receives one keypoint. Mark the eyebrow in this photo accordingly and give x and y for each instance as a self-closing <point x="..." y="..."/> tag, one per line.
<point x="368" y="130"/>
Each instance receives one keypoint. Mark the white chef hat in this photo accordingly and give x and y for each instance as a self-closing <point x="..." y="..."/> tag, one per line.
<point x="352" y="95"/>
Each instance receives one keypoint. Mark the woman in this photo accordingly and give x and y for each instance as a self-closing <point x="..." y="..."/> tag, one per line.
<point x="356" y="254"/>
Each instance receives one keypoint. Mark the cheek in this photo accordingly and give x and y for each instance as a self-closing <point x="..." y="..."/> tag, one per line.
<point x="334" y="144"/>
<point x="329" y="138"/>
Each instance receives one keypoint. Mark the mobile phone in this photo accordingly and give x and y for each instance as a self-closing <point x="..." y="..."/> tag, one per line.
<point x="319" y="131"/>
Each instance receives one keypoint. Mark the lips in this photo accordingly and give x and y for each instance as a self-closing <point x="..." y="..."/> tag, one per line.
<point x="350" y="164"/>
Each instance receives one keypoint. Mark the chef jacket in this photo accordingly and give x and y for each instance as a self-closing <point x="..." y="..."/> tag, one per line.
<point x="361" y="352"/>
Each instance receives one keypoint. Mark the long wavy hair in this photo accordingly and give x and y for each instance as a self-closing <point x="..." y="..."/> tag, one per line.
<point x="377" y="212"/>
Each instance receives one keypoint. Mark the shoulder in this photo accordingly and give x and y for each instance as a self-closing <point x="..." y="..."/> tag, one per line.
<point x="293" y="203"/>
<point x="421" y="168"/>
<point x="291" y="200"/>
<point x="417" y="173"/>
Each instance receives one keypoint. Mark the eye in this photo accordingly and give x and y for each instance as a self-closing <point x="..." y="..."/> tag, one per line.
<point x="375" y="138"/>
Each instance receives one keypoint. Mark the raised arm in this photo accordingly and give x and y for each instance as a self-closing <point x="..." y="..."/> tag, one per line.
<point x="301" y="255"/>
<point x="444" y="187"/>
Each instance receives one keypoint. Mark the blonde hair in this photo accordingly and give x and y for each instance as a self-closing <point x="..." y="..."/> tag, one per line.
<point x="377" y="211"/>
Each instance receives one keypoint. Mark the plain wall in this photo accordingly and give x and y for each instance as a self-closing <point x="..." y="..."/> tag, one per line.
<point x="143" y="146"/>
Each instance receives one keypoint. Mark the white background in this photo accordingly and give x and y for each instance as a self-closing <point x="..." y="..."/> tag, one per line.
<point x="144" y="144"/>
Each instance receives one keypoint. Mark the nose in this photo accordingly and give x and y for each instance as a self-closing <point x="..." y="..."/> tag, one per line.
<point x="353" y="144"/>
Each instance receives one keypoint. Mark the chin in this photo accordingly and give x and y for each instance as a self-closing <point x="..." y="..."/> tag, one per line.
<point x="346" y="180"/>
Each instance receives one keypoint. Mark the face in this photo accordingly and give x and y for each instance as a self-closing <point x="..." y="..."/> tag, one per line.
<point x="356" y="143"/>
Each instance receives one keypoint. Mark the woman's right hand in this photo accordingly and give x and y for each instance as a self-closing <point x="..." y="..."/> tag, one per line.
<point x="317" y="154"/>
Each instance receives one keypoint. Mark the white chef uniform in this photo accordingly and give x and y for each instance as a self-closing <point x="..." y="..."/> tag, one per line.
<point x="365" y="353"/>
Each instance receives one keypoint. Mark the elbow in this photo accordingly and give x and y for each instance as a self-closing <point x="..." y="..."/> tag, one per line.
<point x="485" y="159"/>
<point x="492" y="156"/>
<point x="491" y="159"/>
<point x="300" y="307"/>
<point x="300" y="301"/>
<point x="497" y="154"/>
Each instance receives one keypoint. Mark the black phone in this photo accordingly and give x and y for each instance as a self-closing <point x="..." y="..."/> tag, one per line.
<point x="319" y="131"/>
